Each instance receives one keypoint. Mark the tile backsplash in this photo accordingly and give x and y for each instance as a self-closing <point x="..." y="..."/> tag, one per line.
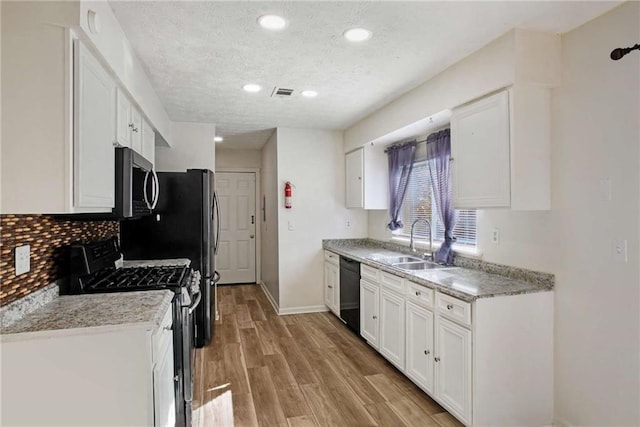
<point x="47" y="237"/>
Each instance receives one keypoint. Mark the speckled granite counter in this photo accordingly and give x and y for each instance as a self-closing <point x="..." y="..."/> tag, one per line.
<point x="98" y="312"/>
<point x="156" y="263"/>
<point x="484" y="280"/>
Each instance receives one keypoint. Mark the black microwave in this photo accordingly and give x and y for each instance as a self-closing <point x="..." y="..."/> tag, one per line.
<point x="137" y="186"/>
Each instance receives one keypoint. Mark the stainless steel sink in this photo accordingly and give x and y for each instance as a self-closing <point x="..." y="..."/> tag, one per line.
<point x="393" y="260"/>
<point x="419" y="265"/>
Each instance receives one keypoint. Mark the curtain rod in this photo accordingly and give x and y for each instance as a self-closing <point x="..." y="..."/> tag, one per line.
<point x="417" y="142"/>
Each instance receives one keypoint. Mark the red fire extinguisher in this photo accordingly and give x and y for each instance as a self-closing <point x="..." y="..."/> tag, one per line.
<point x="287" y="195"/>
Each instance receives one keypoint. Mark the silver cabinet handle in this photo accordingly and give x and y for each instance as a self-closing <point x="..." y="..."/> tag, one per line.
<point x="426" y="352"/>
<point x="449" y="306"/>
<point x="131" y="125"/>
<point x="375" y="317"/>
<point x="176" y="378"/>
<point x="437" y="359"/>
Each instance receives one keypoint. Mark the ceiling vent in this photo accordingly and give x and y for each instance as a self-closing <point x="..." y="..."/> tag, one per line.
<point x="280" y="91"/>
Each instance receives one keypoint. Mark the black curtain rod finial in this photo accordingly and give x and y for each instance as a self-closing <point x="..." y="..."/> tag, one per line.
<point x="618" y="53"/>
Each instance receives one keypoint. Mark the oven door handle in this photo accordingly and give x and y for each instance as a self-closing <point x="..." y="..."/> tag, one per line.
<point x="195" y="303"/>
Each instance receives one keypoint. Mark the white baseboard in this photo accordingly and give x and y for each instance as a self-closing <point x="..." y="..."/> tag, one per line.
<point x="269" y="296"/>
<point x="302" y="310"/>
<point x="290" y="310"/>
<point x="561" y="423"/>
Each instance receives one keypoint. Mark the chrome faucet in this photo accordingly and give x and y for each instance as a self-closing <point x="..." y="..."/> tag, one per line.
<point x="412" y="245"/>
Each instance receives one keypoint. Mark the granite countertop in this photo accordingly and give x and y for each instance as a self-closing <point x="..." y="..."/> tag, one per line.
<point x="72" y="314"/>
<point x="156" y="262"/>
<point x="467" y="284"/>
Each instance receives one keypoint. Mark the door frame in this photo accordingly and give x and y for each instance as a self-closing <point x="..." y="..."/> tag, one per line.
<point x="258" y="216"/>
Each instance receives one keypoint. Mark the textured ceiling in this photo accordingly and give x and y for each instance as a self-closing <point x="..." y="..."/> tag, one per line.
<point x="200" y="54"/>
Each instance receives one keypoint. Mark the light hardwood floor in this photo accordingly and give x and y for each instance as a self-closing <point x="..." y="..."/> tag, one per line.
<point x="262" y="369"/>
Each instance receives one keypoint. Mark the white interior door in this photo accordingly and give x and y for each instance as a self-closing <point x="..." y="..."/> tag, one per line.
<point x="236" y="258"/>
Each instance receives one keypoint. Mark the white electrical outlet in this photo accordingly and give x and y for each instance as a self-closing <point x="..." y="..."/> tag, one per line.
<point x="291" y="225"/>
<point x="348" y="223"/>
<point x="23" y="259"/>
<point x="495" y="236"/>
<point x="620" y="250"/>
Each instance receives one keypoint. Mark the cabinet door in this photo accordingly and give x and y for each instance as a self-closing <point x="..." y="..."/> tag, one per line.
<point x="420" y="346"/>
<point x="123" y="119"/>
<point x="335" y="273"/>
<point x="329" y="286"/>
<point x="354" y="181"/>
<point x="480" y="153"/>
<point x="453" y="368"/>
<point x="369" y="309"/>
<point x="94" y="121"/>
<point x="136" y="130"/>
<point x="148" y="142"/>
<point x="163" y="390"/>
<point x="392" y="327"/>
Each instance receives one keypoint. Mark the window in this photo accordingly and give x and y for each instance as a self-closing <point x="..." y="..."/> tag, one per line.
<point x="419" y="204"/>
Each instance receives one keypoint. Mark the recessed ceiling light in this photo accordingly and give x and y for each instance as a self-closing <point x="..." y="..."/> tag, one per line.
<point x="251" y="87"/>
<point x="218" y="139"/>
<point x="272" y="22"/>
<point x="357" y="34"/>
<point x="309" y="93"/>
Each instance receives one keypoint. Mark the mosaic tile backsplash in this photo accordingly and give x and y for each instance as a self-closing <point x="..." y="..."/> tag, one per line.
<point x="47" y="236"/>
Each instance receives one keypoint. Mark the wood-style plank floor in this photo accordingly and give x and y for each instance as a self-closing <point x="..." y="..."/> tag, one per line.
<point x="262" y="369"/>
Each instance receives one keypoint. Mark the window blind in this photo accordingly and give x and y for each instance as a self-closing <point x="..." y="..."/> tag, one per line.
<point x="420" y="204"/>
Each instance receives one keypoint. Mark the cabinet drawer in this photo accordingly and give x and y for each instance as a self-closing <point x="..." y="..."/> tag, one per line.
<point x="163" y="336"/>
<point x="419" y="294"/>
<point x="331" y="257"/>
<point x="370" y="273"/>
<point x="392" y="282"/>
<point x="454" y="308"/>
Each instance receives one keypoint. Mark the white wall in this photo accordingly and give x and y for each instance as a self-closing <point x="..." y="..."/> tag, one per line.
<point x="228" y="158"/>
<point x="595" y="136"/>
<point x="313" y="160"/>
<point x="192" y="148"/>
<point x="269" y="228"/>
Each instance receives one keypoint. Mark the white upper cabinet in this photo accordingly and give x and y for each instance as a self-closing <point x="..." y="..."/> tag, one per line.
<point x="94" y="107"/>
<point x="480" y="153"/>
<point x="132" y="130"/>
<point x="123" y="119"/>
<point x="367" y="178"/>
<point x="500" y="150"/>
<point x="148" y="142"/>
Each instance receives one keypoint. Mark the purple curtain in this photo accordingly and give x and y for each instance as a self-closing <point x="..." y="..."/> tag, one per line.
<point x="400" y="165"/>
<point x="439" y="156"/>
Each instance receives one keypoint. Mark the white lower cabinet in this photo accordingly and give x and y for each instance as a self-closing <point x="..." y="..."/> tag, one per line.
<point x="453" y="368"/>
<point x="488" y="362"/>
<point x="420" y="348"/>
<point x="369" y="312"/>
<point x="332" y="282"/>
<point x="392" y="327"/>
<point x="112" y="376"/>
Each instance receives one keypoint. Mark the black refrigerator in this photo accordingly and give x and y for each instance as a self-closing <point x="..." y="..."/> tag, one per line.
<point x="183" y="225"/>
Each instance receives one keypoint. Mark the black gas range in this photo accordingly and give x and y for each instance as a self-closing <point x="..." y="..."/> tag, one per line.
<point x="94" y="270"/>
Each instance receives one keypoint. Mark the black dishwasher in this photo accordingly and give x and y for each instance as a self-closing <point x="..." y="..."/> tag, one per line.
<point x="350" y="293"/>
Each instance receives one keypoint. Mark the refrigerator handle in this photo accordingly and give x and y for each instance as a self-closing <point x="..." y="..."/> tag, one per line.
<point x="217" y="209"/>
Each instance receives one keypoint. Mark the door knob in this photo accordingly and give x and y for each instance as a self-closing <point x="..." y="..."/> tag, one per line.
<point x="251" y="236"/>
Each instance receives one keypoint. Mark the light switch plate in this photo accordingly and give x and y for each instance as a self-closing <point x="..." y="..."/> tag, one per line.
<point x="495" y="236"/>
<point x="23" y="259"/>
<point x="620" y="250"/>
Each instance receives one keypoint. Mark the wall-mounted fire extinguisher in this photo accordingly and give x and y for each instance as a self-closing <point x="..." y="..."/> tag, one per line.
<point x="287" y="195"/>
